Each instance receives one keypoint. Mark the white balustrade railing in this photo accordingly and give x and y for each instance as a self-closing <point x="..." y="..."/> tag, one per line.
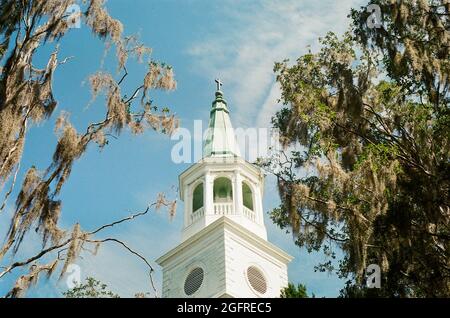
<point x="197" y="214"/>
<point x="223" y="208"/>
<point x="249" y="213"/>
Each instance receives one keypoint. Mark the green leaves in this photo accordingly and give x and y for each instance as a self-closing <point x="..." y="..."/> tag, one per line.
<point x="92" y="288"/>
<point x="370" y="111"/>
<point x="293" y="291"/>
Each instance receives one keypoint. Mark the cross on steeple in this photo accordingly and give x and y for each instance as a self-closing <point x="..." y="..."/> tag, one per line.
<point x="219" y="84"/>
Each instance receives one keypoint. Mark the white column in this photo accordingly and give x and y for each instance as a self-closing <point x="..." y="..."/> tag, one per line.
<point x="258" y="206"/>
<point x="187" y="206"/>
<point x="208" y="194"/>
<point x="237" y="194"/>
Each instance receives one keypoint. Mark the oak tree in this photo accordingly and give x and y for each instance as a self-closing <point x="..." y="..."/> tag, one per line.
<point x="27" y="99"/>
<point x="366" y="166"/>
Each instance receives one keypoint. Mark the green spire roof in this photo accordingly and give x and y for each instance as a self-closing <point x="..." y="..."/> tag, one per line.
<point x="220" y="140"/>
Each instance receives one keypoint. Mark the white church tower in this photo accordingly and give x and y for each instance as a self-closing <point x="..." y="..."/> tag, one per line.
<point x="224" y="250"/>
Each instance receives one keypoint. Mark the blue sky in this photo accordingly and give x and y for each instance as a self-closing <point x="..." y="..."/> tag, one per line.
<point x="237" y="41"/>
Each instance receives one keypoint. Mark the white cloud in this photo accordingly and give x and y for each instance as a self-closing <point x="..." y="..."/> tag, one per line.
<point x="244" y="45"/>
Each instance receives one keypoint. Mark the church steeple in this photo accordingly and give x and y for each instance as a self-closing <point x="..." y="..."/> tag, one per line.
<point x="220" y="140"/>
<point x="224" y="250"/>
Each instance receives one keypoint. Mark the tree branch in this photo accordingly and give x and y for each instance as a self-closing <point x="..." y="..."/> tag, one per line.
<point x="132" y="252"/>
<point x="9" y="268"/>
<point x="10" y="188"/>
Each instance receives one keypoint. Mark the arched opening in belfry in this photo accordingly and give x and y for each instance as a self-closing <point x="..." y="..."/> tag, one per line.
<point x="247" y="196"/>
<point x="223" y="190"/>
<point x="197" y="197"/>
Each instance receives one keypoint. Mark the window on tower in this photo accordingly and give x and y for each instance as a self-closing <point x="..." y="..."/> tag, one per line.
<point x="197" y="197"/>
<point x="223" y="190"/>
<point x="247" y="196"/>
<point x="257" y="280"/>
<point x="194" y="281"/>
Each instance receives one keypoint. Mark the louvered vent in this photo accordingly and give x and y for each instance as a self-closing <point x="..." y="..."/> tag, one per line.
<point x="193" y="281"/>
<point x="256" y="279"/>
